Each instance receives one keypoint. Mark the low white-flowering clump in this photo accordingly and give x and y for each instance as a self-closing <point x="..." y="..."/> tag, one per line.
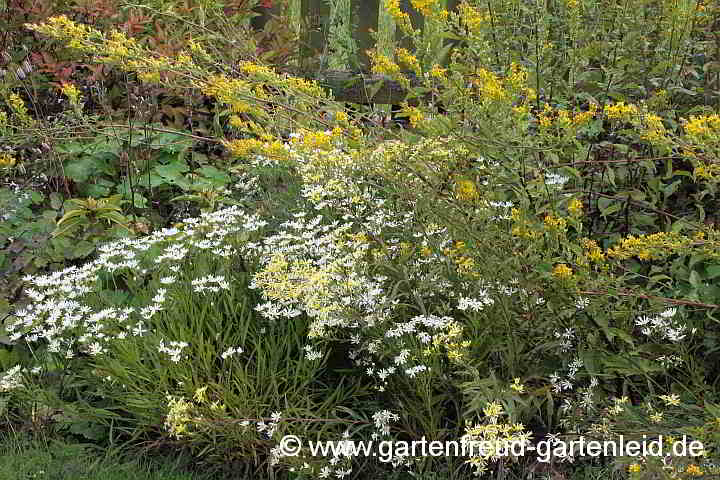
<point x="62" y="310"/>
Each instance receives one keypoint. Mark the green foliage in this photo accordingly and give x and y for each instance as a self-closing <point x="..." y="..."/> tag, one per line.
<point x="24" y="457"/>
<point x="536" y="253"/>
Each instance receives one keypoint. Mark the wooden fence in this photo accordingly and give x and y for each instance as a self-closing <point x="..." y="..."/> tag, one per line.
<point x="334" y="37"/>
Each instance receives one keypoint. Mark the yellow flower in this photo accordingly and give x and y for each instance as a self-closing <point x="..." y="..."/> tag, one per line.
<point x="473" y="18"/>
<point x="634" y="468"/>
<point x="562" y="271"/>
<point x="671" y="400"/>
<point x="200" y="394"/>
<point x="699" y="128"/>
<point x="575" y="207"/>
<point x="555" y="223"/>
<point x="656" y="417"/>
<point x="71" y="91"/>
<point x="493" y="409"/>
<point x="693" y="470"/>
<point x="621" y="112"/>
<point x="466" y="191"/>
<point x="517" y="386"/>
<point x="438" y="72"/>
<point x="408" y="59"/>
<point x="382" y="65"/>
<point x="341" y="117"/>
<point x="402" y="19"/>
<point x="6" y="161"/>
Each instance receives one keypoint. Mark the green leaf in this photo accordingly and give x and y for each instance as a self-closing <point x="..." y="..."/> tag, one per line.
<point x="56" y="201"/>
<point x="712" y="271"/>
<point x="80" y="170"/>
<point x="217" y="177"/>
<point x="172" y="171"/>
<point x="171" y="142"/>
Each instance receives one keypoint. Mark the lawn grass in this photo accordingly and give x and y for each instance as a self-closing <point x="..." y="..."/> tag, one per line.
<point x="23" y="457"/>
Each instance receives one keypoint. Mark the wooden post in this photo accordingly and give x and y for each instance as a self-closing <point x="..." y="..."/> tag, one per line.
<point x="294" y="16"/>
<point x="385" y="44"/>
<point x="341" y="46"/>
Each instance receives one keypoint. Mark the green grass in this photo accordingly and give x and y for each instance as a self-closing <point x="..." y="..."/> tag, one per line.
<point x="22" y="457"/>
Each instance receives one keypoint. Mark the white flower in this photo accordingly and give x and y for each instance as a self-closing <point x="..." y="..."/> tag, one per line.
<point x="173" y="349"/>
<point x="231" y="351"/>
<point x="11" y="379"/>
<point x="555" y="179"/>
<point x="582" y="302"/>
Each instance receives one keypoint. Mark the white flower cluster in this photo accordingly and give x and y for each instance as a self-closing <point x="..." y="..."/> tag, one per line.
<point x="382" y="421"/>
<point x="556" y="180"/>
<point x="210" y="283"/>
<point x="60" y="314"/>
<point x="230" y="352"/>
<point x="475" y="304"/>
<point x="560" y="384"/>
<point x="269" y="428"/>
<point x="663" y="326"/>
<point x="11" y="379"/>
<point x="312" y="354"/>
<point x="566" y="337"/>
<point x="173" y="349"/>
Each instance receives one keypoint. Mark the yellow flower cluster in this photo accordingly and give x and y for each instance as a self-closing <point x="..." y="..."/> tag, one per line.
<point x="308" y="87"/>
<point x="341" y="117"/>
<point x="466" y="191"/>
<point x="3" y="119"/>
<point x="473" y="19"/>
<point x="581" y="118"/>
<point x="382" y="65"/>
<point x="563" y="119"/>
<point x="438" y="72"/>
<point x="414" y="114"/>
<point x="408" y="59"/>
<point x="402" y="19"/>
<point x="655" y="246"/>
<point x="522" y="227"/>
<point x="708" y="172"/>
<point x="562" y="271"/>
<point x="635" y="468"/>
<point x="553" y="223"/>
<point x="230" y="91"/>
<point x="243" y="147"/>
<point x="18" y="106"/>
<point x="496" y="435"/>
<point x="490" y="85"/>
<point x="517" y="386"/>
<point x="7" y="161"/>
<point x="424" y="6"/>
<point x="118" y="47"/>
<point x="77" y="35"/>
<point x="694" y="470"/>
<point x="452" y="341"/>
<point x="545" y="117"/>
<point x="71" y="92"/>
<point x="465" y="264"/>
<point x="575" y="207"/>
<point x="621" y="112"/>
<point x="178" y="417"/>
<point x="314" y="140"/>
<point x="654" y="129"/>
<point x="704" y="127"/>
<point x="594" y="252"/>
